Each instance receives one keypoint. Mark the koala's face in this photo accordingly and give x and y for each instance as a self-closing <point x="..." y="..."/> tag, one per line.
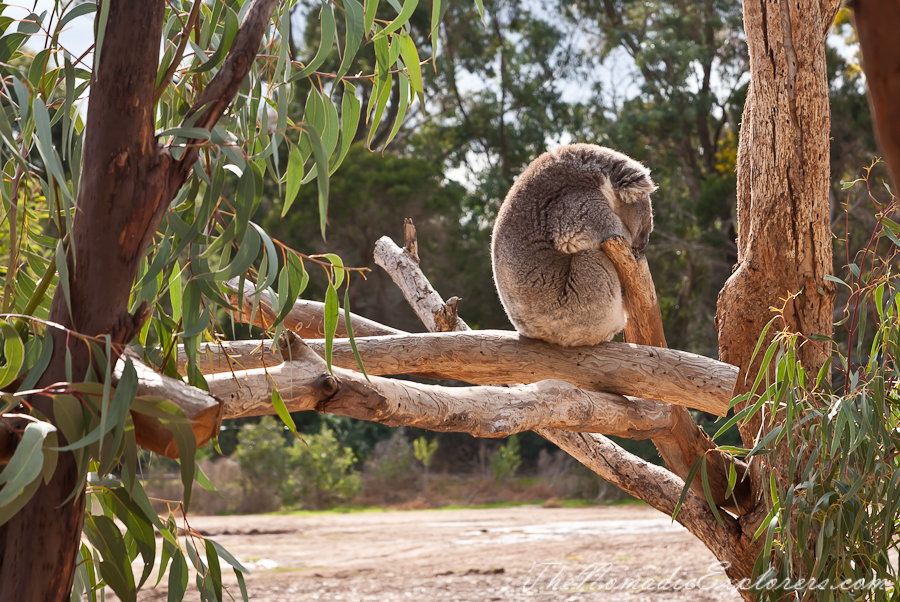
<point x="637" y="218"/>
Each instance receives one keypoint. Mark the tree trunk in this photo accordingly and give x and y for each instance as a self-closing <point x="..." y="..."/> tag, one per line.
<point x="120" y="202"/>
<point x="877" y="23"/>
<point x="128" y="180"/>
<point x="784" y="240"/>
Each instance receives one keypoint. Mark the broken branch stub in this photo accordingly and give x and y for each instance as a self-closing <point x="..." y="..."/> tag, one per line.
<point x="406" y="274"/>
<point x="202" y="409"/>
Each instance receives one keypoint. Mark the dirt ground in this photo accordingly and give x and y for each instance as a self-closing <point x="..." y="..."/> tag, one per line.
<point x="621" y="552"/>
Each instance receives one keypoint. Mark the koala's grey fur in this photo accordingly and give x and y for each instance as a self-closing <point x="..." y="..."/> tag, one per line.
<point x="554" y="281"/>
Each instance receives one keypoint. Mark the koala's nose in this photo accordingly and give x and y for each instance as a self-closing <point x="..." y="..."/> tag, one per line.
<point x="641" y="242"/>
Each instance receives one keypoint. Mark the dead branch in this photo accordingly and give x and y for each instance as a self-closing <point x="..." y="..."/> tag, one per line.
<point x="485" y="357"/>
<point x="304" y="383"/>
<point x="411" y="240"/>
<point x="405" y="271"/>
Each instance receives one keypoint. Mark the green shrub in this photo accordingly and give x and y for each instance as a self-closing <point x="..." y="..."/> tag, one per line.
<point x="320" y="472"/>
<point x="506" y="460"/>
<point x="317" y="472"/>
<point x="262" y="455"/>
<point x="424" y="452"/>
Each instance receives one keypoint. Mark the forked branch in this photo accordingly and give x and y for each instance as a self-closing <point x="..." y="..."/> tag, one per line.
<point x="686" y="443"/>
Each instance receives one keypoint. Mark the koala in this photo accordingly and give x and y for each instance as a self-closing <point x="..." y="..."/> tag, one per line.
<point x="554" y="281"/>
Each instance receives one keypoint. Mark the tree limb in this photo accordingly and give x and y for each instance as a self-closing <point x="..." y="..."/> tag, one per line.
<point x="216" y="97"/>
<point x="304" y="383"/>
<point x="686" y="443"/>
<point x="405" y="271"/>
<point x="305" y="318"/>
<point x="202" y="409"/>
<point x="487" y="357"/>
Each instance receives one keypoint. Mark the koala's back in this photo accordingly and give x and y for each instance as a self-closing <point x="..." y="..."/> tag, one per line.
<point x="554" y="281"/>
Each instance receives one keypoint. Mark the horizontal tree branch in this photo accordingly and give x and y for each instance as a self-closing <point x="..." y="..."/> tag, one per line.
<point x="485" y="357"/>
<point x="305" y="384"/>
<point x="204" y="410"/>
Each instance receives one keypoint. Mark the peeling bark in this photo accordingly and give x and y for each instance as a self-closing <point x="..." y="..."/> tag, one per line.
<point x="784" y="240"/>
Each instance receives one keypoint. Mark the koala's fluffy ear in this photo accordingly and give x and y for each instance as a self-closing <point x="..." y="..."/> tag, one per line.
<point x="631" y="181"/>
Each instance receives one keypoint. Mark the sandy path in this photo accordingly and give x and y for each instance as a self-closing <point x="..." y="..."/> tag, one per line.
<point x="533" y="553"/>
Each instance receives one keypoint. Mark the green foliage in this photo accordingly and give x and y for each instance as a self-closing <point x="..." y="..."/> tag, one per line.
<point x="506" y="460"/>
<point x="320" y="472"/>
<point x="392" y="464"/>
<point x="835" y="521"/>
<point x="424" y="450"/>
<point x="262" y="455"/>
<point x="316" y="472"/>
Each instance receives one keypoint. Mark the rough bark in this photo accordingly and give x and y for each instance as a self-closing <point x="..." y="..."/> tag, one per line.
<point x="784" y="241"/>
<point x="877" y="23"/>
<point x="127" y="183"/>
<point x="124" y="178"/>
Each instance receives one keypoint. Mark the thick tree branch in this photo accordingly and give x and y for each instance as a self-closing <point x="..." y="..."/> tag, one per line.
<point x="485" y="357"/>
<point x="304" y="383"/>
<point x="202" y="409"/>
<point x="644" y="325"/>
<point x="128" y="181"/>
